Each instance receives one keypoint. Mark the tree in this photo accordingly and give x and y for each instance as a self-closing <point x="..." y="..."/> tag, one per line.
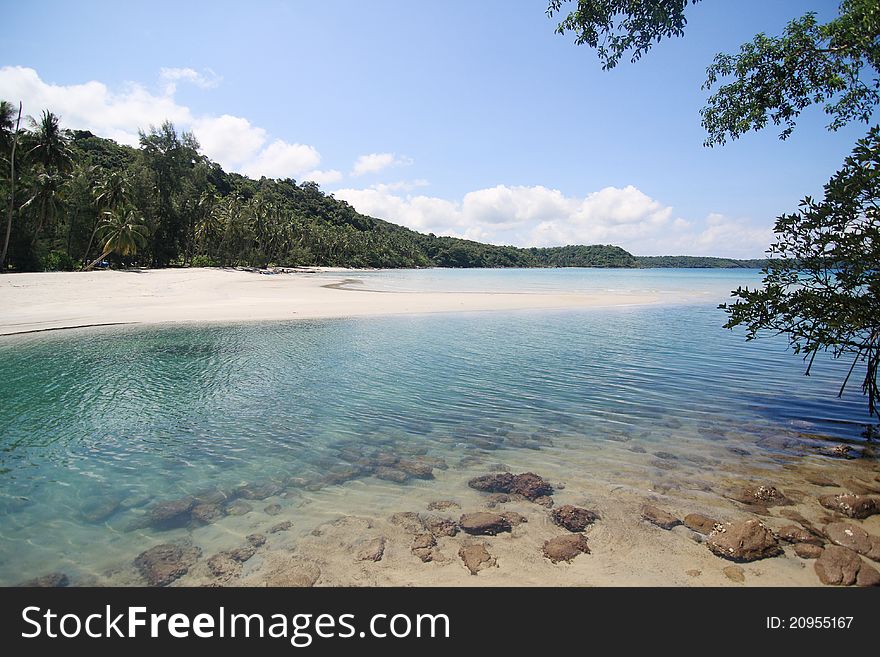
<point x="111" y="193"/>
<point x="822" y="292"/>
<point x="773" y="78"/>
<point x="44" y="200"/>
<point x="10" y="137"/>
<point x="121" y="232"/>
<point x="51" y="146"/>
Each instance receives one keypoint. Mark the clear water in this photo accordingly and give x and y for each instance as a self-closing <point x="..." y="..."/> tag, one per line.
<point x="97" y="425"/>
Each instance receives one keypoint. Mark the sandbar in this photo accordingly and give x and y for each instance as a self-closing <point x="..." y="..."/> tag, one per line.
<point x="57" y="300"/>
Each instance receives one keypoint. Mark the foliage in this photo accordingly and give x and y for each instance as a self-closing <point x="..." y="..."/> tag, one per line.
<point x="58" y="261"/>
<point x="191" y="212"/>
<point x="700" y="262"/>
<point x="614" y="27"/>
<point x="823" y="289"/>
<point x="598" y="255"/>
<point x="775" y="78"/>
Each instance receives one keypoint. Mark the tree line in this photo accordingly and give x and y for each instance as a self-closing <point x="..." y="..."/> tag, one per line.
<point x="75" y="200"/>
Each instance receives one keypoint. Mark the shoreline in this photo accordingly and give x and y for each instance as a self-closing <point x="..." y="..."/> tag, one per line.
<point x="48" y="301"/>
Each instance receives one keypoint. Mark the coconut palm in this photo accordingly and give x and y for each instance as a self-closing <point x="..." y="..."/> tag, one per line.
<point x="10" y="137"/>
<point x="51" y="145"/>
<point x="111" y="193"/>
<point x="121" y="232"/>
<point x="7" y="123"/>
<point x="44" y="200"/>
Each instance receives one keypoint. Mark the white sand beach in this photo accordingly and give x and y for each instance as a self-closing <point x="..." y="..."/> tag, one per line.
<point x="55" y="300"/>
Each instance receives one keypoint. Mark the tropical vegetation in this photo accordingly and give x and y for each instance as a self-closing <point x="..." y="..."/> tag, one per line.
<point x="82" y="199"/>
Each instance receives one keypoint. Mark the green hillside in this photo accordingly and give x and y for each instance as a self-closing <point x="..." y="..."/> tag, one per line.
<point x="80" y="198"/>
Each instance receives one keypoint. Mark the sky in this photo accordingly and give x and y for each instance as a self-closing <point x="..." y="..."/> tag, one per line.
<point x="471" y="119"/>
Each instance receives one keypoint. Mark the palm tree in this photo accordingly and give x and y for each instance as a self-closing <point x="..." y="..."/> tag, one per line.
<point x="6" y="114"/>
<point x="122" y="233"/>
<point x="111" y="194"/>
<point x="45" y="194"/>
<point x="208" y="224"/>
<point x="52" y="145"/>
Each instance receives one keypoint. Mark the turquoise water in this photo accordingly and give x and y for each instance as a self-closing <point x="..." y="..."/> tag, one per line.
<point x="96" y="426"/>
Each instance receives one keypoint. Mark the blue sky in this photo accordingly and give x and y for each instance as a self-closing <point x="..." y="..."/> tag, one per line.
<point x="461" y="118"/>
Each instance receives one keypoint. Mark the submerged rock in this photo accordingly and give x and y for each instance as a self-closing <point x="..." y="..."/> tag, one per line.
<point x="423" y="547"/>
<point x="495" y="499"/>
<point x="565" y="548"/>
<point x="663" y="519"/>
<point x="795" y="534"/>
<point x="100" y="510"/>
<point x="807" y="550"/>
<point x="483" y="523"/>
<point x="764" y="495"/>
<point x="746" y="540"/>
<point x="411" y="522"/>
<point x="527" y="484"/>
<point x="50" y="581"/>
<point x="372" y="550"/>
<point x="574" y="518"/>
<point x="734" y="573"/>
<point x="854" y="538"/>
<point x="390" y="474"/>
<point x="515" y="519"/>
<point x="443" y="505"/>
<point x="440" y="526"/>
<point x="852" y="506"/>
<point x="224" y="566"/>
<point x="416" y="469"/>
<point x="242" y="554"/>
<point x="476" y="557"/>
<point x="700" y="523"/>
<point x="238" y="508"/>
<point x="544" y="500"/>
<point x="272" y="509"/>
<point x="842" y="567"/>
<point x="259" y="491"/>
<point x="205" y="514"/>
<point x="162" y="564"/>
<point x="257" y="540"/>
<point x="170" y="514"/>
<point x="280" y="527"/>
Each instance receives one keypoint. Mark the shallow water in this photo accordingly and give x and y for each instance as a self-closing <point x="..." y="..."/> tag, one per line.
<point x="96" y="426"/>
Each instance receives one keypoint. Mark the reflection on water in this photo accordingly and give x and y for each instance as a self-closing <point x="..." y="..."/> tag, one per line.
<point x="115" y="436"/>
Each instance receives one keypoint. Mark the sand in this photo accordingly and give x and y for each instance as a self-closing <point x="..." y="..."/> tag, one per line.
<point x="55" y="300"/>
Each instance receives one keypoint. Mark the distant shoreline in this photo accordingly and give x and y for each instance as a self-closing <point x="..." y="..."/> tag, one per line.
<point x="36" y="302"/>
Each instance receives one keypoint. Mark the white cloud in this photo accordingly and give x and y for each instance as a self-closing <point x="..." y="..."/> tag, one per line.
<point x="282" y="160"/>
<point x="171" y="76"/>
<point x="375" y="162"/>
<point x="91" y="105"/>
<point x="400" y="185"/>
<point x="230" y="140"/>
<point x="322" y="177"/>
<point x="538" y="216"/>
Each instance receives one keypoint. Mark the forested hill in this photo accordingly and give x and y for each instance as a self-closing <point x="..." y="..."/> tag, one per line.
<point x="699" y="262"/>
<point x="80" y="198"/>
